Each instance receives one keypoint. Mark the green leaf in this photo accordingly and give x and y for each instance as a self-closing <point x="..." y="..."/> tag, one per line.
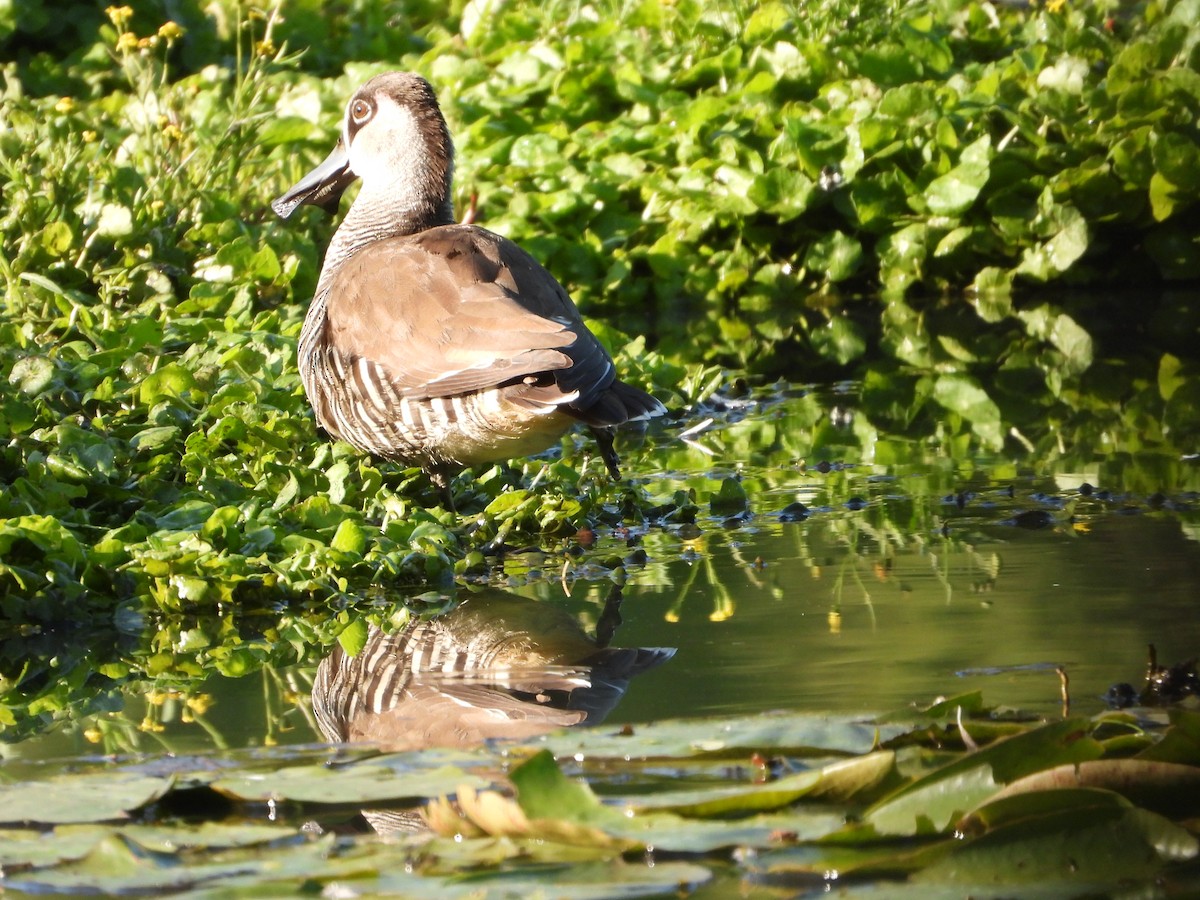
<point x="738" y="800"/>
<point x="1181" y="743"/>
<point x="953" y="194"/>
<point x="79" y="798"/>
<point x="534" y="151"/>
<point x="841" y="781"/>
<point x="46" y="533"/>
<point x="765" y="22"/>
<point x="909" y="101"/>
<point x="734" y="737"/>
<point x="964" y="395"/>
<point x="836" y="255"/>
<point x="1063" y="333"/>
<point x="1165" y="197"/>
<point x="1009" y="807"/>
<point x="840" y="340"/>
<point x="993" y="294"/>
<point x="1164" y="787"/>
<point x="902" y="257"/>
<point x="935" y="801"/>
<point x="545" y="793"/>
<point x="1177" y="158"/>
<point x="1082" y="845"/>
<point x="349" y="538"/>
<point x="154" y="437"/>
<point x="509" y="502"/>
<point x="357" y="784"/>
<point x="31" y="374"/>
<point x="730" y="500"/>
<point x="337" y="475"/>
<point x="170" y="381"/>
<point x="1067" y="244"/>
<point x="1169" y="378"/>
<point x="57" y="238"/>
<point x="354" y="636"/>
<point x="785" y="193"/>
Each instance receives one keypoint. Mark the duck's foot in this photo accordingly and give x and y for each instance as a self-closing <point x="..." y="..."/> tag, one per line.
<point x="604" y="441"/>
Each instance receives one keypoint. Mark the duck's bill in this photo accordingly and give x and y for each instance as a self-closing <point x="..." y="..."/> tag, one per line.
<point x="322" y="187"/>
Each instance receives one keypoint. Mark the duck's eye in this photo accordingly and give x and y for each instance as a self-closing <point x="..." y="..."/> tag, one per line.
<point x="360" y="111"/>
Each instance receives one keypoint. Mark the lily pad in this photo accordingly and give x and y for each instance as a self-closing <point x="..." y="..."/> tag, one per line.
<point x="79" y="798"/>
<point x="799" y="734"/>
<point x="932" y="803"/>
<point x="1081" y="845"/>
<point x="356" y="784"/>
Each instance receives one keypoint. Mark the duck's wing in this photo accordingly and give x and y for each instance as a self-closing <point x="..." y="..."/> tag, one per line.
<point x="457" y="309"/>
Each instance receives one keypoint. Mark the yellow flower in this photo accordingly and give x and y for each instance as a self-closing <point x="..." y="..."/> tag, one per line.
<point x="119" y="15"/>
<point x="265" y="48"/>
<point x="147" y="42"/>
<point x="169" y="31"/>
<point x="93" y="735"/>
<point x="200" y="703"/>
<point x="65" y="105"/>
<point x="127" y="41"/>
<point x="1055" y="5"/>
<point x="172" y="133"/>
<point x="89" y="136"/>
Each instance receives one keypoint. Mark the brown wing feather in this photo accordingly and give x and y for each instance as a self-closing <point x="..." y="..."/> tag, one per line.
<point x="457" y="309"/>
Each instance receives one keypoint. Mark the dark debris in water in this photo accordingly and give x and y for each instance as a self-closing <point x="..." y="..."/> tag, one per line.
<point x="794" y="512"/>
<point x="1164" y="685"/>
<point x="1033" y="519"/>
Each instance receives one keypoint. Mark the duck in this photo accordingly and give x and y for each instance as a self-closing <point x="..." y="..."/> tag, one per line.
<point x="431" y="342"/>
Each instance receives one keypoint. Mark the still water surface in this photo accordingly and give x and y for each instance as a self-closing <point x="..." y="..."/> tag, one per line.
<point x="903" y="574"/>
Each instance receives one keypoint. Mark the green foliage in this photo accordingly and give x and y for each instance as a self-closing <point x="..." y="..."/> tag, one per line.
<point x="743" y="163"/>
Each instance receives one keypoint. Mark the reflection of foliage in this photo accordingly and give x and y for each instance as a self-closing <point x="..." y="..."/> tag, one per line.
<point x="173" y="716"/>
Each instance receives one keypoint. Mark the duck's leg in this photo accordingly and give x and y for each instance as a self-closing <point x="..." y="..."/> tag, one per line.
<point x="610" y="617"/>
<point x="604" y="441"/>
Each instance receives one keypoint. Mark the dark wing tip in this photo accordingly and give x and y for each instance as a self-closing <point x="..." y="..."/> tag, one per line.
<point x="620" y="403"/>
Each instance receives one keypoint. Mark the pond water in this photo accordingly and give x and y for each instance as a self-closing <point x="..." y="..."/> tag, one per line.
<point x="864" y="573"/>
<point x="799" y="576"/>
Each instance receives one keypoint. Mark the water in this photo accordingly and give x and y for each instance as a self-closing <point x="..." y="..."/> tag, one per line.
<point x="913" y="574"/>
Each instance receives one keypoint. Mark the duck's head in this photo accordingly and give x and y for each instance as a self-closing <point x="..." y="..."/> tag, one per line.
<point x="395" y="139"/>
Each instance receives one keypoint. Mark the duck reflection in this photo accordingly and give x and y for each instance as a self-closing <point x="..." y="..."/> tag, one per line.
<point x="497" y="666"/>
